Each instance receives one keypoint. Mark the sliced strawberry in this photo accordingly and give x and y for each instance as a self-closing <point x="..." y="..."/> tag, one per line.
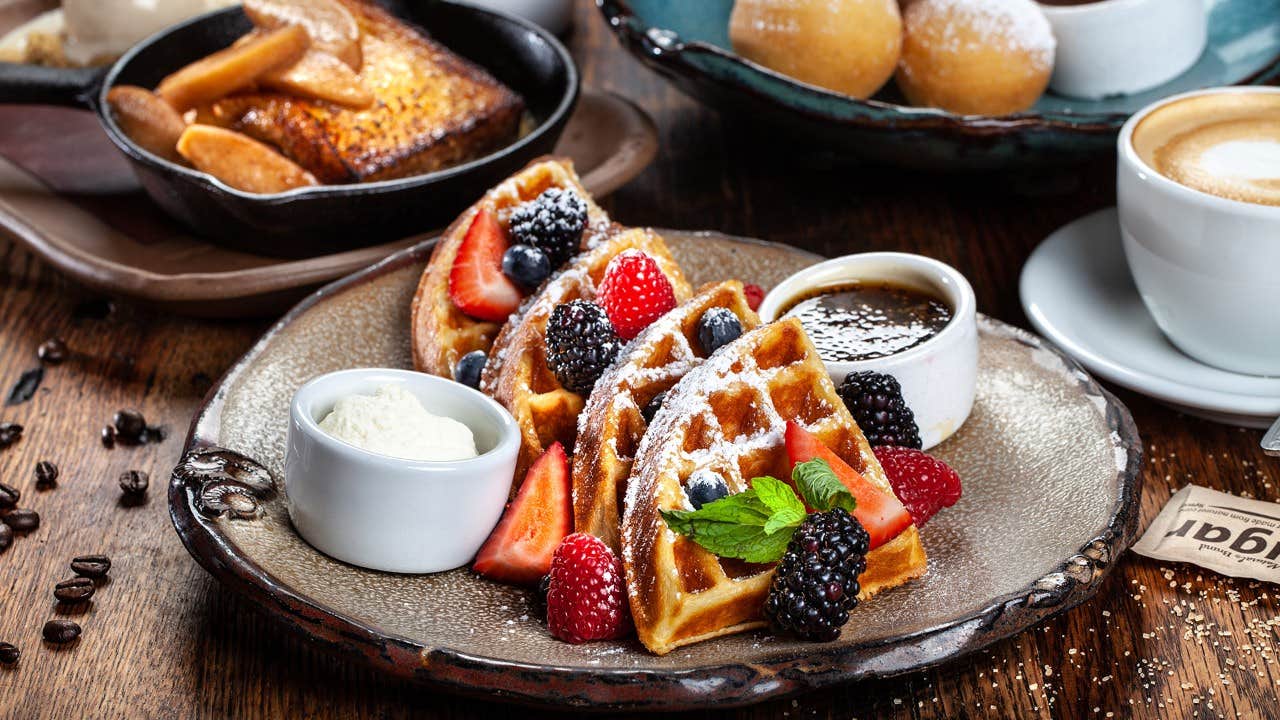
<point x="883" y="516"/>
<point x="520" y="549"/>
<point x="476" y="282"/>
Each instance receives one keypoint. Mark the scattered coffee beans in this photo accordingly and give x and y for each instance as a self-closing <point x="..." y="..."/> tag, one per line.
<point x="74" y="590"/>
<point x="60" y="631"/>
<point x="10" y="433"/>
<point x="9" y="496"/>
<point x="46" y="474"/>
<point x="91" y="566"/>
<point x="52" y="351"/>
<point x="22" y="520"/>
<point x="9" y="653"/>
<point x="129" y="424"/>
<point x="108" y="437"/>
<point x="134" y="482"/>
<point x="6" y="537"/>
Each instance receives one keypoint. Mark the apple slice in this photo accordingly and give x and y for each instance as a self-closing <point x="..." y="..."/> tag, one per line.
<point x="321" y="76"/>
<point x="331" y="26"/>
<point x="232" y="69"/>
<point x="240" y="161"/>
<point x="148" y="121"/>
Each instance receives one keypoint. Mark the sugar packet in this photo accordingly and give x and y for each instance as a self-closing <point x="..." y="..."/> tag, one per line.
<point x="1218" y="531"/>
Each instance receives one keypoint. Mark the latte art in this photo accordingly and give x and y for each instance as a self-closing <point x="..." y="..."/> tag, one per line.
<point x="1224" y="145"/>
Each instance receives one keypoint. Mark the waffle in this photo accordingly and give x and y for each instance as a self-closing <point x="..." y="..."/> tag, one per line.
<point x="441" y="333"/>
<point x="516" y="373"/>
<point x="728" y="415"/>
<point x="610" y="427"/>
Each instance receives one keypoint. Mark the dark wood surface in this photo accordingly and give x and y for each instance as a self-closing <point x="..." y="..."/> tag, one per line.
<point x="163" y="640"/>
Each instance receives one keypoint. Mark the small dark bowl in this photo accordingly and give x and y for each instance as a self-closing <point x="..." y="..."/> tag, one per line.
<point x="319" y="220"/>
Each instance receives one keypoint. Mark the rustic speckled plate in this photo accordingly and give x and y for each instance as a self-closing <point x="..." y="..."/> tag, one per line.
<point x="1049" y="458"/>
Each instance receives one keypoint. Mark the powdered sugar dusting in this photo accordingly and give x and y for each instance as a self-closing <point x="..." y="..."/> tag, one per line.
<point x="1017" y="25"/>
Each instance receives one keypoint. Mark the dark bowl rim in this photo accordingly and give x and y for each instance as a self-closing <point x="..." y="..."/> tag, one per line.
<point x="1075" y="580"/>
<point x="674" y="57"/>
<point x="568" y="99"/>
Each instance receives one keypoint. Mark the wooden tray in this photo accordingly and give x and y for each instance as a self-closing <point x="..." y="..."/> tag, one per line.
<point x="68" y="195"/>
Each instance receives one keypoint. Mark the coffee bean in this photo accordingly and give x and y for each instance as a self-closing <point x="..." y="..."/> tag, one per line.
<point x="46" y="474"/>
<point x="22" y="520"/>
<point x="74" y="590"/>
<point x="6" y="537"/>
<point x="61" y="632"/>
<point x="9" y="496"/>
<point x="91" y="566"/>
<point x="10" y="433"/>
<point x="129" y="424"/>
<point x="52" y="351"/>
<point x="9" y="653"/>
<point x="108" y="437"/>
<point x="134" y="482"/>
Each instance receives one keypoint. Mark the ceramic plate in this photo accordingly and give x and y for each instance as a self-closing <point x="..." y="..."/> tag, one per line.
<point x="688" y="42"/>
<point x="1049" y="458"/>
<point x="68" y="195"/>
<point x="1077" y="290"/>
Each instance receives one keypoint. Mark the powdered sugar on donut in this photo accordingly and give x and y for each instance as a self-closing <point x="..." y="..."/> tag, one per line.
<point x="1016" y="25"/>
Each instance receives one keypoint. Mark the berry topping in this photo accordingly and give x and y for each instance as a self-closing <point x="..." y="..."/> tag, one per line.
<point x="552" y="222"/>
<point x="586" y="598"/>
<point x="476" y="283"/>
<point x="924" y="483"/>
<point x="705" y="486"/>
<point x="875" y="400"/>
<point x="816" y="584"/>
<point x="718" y="327"/>
<point x="469" y="367"/>
<point x="581" y="344"/>
<point x="634" y="293"/>
<point x="650" y="411"/>
<point x="527" y="266"/>
<point x="519" y="549"/>
<point x="755" y="295"/>
<point x="881" y="514"/>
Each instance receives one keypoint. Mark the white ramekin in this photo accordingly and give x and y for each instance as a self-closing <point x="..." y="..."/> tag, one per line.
<point x="1121" y="47"/>
<point x="938" y="376"/>
<point x="392" y="514"/>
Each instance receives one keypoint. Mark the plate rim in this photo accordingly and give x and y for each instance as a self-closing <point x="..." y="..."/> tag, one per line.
<point x="1072" y="582"/>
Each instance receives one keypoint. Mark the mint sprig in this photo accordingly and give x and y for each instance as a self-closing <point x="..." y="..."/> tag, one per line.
<point x="755" y="525"/>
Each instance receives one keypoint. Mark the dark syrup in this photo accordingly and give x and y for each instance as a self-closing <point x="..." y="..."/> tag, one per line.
<point x="868" y="320"/>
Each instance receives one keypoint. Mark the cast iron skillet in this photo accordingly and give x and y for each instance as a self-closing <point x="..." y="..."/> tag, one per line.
<point x="319" y="220"/>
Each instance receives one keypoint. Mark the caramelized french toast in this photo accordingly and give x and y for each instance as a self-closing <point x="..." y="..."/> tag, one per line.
<point x="432" y="109"/>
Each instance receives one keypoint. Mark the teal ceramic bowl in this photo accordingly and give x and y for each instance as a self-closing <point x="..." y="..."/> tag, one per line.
<point x="688" y="43"/>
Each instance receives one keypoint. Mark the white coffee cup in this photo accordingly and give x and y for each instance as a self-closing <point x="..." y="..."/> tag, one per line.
<point x="1208" y="268"/>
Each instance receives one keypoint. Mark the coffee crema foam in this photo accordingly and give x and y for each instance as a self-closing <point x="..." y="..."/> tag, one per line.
<point x="1225" y="144"/>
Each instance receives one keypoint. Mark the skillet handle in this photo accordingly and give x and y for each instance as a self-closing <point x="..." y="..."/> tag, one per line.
<point x="22" y="84"/>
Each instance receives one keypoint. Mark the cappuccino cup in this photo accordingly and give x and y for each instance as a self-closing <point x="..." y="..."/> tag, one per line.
<point x="1198" y="191"/>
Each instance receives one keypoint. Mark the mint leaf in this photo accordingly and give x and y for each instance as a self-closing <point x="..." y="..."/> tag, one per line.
<point x="754" y="525"/>
<point x="820" y="487"/>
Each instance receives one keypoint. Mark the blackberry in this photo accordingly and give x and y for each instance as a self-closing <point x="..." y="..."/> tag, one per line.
<point x="816" y="583"/>
<point x="527" y="266"/>
<point x="718" y="327"/>
<point x="875" y="401"/>
<point x="648" y="412"/>
<point x="581" y="344"/>
<point x="552" y="222"/>
<point x="705" y="486"/>
<point x="469" y="367"/>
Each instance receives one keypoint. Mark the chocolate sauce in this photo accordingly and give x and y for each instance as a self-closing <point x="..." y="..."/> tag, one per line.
<point x="868" y="320"/>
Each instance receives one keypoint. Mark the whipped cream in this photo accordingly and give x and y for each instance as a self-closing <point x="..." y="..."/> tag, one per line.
<point x="393" y="422"/>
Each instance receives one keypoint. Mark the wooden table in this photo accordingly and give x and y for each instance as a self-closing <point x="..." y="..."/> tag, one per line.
<point x="163" y="640"/>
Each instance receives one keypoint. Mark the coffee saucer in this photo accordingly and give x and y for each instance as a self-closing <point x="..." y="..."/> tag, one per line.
<point x="1077" y="291"/>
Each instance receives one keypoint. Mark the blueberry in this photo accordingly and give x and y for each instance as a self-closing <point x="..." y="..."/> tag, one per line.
<point x="526" y="266"/>
<point x="650" y="410"/>
<point x="469" y="367"/>
<point x="718" y="327"/>
<point x="703" y="487"/>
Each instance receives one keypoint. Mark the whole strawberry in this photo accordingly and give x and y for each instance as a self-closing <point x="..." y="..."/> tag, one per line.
<point x="922" y="482"/>
<point x="634" y="293"/>
<point x="755" y="295"/>
<point x="586" y="598"/>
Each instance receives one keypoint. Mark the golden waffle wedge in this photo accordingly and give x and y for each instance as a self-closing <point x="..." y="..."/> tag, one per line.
<point x="729" y="415"/>
<point x="517" y="375"/>
<point x="611" y="426"/>
<point x="441" y="333"/>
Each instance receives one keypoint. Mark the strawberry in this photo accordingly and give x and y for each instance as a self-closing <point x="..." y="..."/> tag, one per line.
<point x="882" y="514"/>
<point x="519" y="549"/>
<point x="634" y="293"/>
<point x="586" y="598"/>
<point x="477" y="284"/>
<point x="755" y="295"/>
<point x="924" y="483"/>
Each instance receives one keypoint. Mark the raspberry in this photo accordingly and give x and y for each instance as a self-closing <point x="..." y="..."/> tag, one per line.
<point x="581" y="345"/>
<point x="755" y="295"/>
<point x="552" y="222"/>
<point x="816" y="583"/>
<point x="875" y="401"/>
<point x="634" y="293"/>
<point x="922" y="482"/>
<point x="586" y="598"/>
